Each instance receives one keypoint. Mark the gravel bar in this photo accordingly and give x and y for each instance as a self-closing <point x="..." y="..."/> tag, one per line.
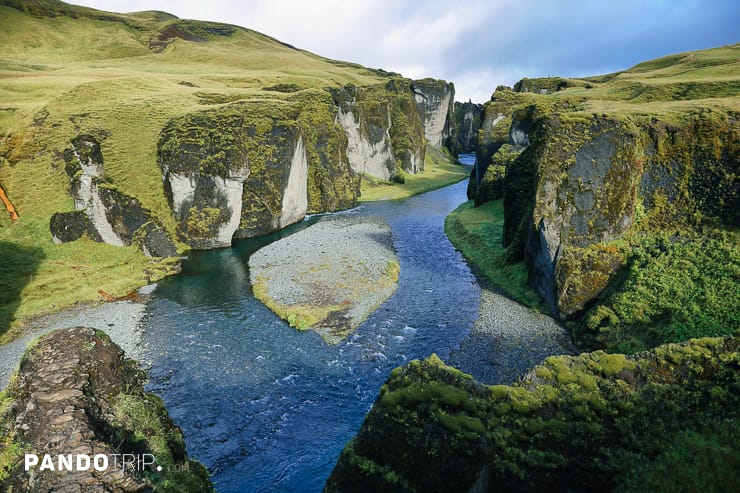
<point x="333" y="273"/>
<point x="507" y="340"/>
<point x="121" y="320"/>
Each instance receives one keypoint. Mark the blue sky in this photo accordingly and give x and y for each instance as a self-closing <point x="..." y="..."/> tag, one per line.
<point x="476" y="44"/>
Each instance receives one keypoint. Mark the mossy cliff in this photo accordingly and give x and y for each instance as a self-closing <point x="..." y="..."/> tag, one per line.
<point x="207" y="131"/>
<point x="594" y="173"/>
<point x="383" y="127"/>
<point x="76" y="393"/>
<point x="663" y="420"/>
<point x="248" y="168"/>
<point x="467" y="123"/>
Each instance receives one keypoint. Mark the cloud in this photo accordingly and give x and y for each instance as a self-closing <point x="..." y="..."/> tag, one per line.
<point x="478" y="44"/>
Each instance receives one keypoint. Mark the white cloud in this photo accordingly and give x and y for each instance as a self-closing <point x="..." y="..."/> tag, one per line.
<point x="478" y="44"/>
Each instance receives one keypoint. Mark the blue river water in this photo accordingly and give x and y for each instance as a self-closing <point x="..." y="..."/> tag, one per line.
<point x="267" y="408"/>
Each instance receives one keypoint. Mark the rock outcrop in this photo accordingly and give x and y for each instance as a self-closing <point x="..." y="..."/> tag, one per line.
<point x="102" y="212"/>
<point x="76" y="395"/>
<point x="248" y="168"/>
<point x="467" y="123"/>
<point x="591" y="191"/>
<point x="435" y="101"/>
<point x="384" y="129"/>
<point x="574" y="182"/>
<point x="593" y="422"/>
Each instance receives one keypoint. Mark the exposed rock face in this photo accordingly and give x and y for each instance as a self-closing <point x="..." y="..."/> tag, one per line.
<point x="204" y="177"/>
<point x="467" y="123"/>
<point x="579" y="196"/>
<point x="76" y="393"/>
<point x="369" y="148"/>
<point x="575" y="423"/>
<point x="383" y="127"/>
<point x="435" y="101"/>
<point x="247" y="169"/>
<point x="102" y="212"/>
<point x="295" y="197"/>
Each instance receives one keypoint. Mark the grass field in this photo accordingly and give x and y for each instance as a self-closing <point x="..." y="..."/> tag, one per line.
<point x="478" y="233"/>
<point x="84" y="71"/>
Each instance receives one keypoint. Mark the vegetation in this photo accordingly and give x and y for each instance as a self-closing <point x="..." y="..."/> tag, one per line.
<point x="594" y="422"/>
<point x="440" y="170"/>
<point x="478" y="233"/>
<point x="632" y="179"/>
<point x="123" y="78"/>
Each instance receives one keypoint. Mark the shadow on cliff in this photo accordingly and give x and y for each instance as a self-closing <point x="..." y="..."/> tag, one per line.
<point x="18" y="264"/>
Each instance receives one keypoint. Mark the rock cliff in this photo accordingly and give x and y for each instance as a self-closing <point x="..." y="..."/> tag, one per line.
<point x="102" y="212"/>
<point x="435" y="101"/>
<point x="575" y="182"/>
<point x="467" y="123"/>
<point x="594" y="422"/>
<point x="76" y="395"/>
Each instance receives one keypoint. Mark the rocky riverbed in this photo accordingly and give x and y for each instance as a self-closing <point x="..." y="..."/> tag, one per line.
<point x="328" y="277"/>
<point x="121" y="320"/>
<point x="507" y="340"/>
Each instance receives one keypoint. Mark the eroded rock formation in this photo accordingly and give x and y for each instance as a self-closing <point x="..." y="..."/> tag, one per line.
<point x="76" y="394"/>
<point x="102" y="212"/>
<point x="593" y="422"/>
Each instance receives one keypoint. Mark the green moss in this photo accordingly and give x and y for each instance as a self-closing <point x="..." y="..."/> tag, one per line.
<point x="477" y="233"/>
<point x="591" y="421"/>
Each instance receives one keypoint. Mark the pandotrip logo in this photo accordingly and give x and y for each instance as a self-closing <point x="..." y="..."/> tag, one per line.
<point x="97" y="462"/>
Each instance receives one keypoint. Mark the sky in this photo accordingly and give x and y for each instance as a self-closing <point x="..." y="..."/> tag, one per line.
<point x="477" y="44"/>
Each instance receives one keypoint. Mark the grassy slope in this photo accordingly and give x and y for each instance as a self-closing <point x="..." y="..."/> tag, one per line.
<point x="681" y="280"/>
<point x="478" y="233"/>
<point x="439" y="171"/>
<point x="60" y="76"/>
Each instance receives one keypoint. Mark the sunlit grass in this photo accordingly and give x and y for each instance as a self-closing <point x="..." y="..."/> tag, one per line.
<point x="440" y="170"/>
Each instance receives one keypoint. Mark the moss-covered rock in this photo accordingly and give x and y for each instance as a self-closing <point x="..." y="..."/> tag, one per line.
<point x="593" y="177"/>
<point x="76" y="393"/>
<point x="467" y="123"/>
<point x="586" y="423"/>
<point x="383" y="127"/>
<point x="249" y="168"/>
<point x="103" y="213"/>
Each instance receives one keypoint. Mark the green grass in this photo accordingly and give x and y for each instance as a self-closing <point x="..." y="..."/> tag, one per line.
<point x="673" y="289"/>
<point x="440" y="170"/>
<point x="478" y="233"/>
<point x="85" y="71"/>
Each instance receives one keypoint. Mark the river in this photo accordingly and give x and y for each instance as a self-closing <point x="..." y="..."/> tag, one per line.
<point x="267" y="408"/>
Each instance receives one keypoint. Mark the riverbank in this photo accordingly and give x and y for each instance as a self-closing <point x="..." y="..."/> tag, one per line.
<point x="477" y="232"/>
<point x="508" y="340"/>
<point x="328" y="277"/>
<point x="121" y="320"/>
<point x="512" y="333"/>
<point x="440" y="170"/>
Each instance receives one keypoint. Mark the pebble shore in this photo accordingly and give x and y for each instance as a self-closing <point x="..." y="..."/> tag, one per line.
<point x="121" y="320"/>
<point x="508" y="340"/>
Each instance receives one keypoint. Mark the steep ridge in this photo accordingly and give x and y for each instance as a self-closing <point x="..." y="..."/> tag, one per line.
<point x="211" y="131"/>
<point x="594" y="171"/>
